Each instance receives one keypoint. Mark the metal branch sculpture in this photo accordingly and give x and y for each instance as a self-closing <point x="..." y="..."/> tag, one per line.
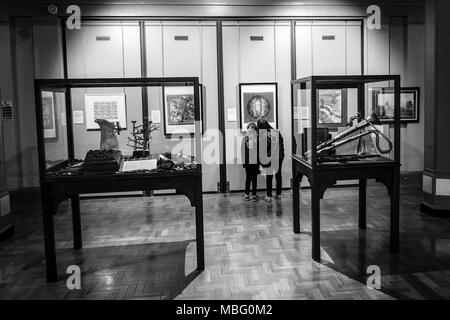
<point x="141" y="138"/>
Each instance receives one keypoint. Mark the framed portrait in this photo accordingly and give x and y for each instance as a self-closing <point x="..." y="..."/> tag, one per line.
<point x="110" y="107"/>
<point x="179" y="109"/>
<point x="383" y="104"/>
<point x="49" y="115"/>
<point x="258" y="100"/>
<point x="332" y="108"/>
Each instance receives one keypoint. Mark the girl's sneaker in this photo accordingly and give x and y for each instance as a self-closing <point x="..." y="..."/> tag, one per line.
<point x="268" y="199"/>
<point x="246" y="197"/>
<point x="255" y="198"/>
<point x="278" y="197"/>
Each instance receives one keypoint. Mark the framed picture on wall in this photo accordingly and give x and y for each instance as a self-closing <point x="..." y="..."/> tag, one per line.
<point x="258" y="100"/>
<point x="179" y="110"/>
<point x="110" y="107"/>
<point x="49" y="115"/>
<point x="332" y="108"/>
<point x="383" y="104"/>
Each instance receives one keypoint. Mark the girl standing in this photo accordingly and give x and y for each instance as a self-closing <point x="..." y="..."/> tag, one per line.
<point x="250" y="163"/>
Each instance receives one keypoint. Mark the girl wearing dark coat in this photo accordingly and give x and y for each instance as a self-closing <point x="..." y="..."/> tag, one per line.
<point x="275" y="145"/>
<point x="249" y="150"/>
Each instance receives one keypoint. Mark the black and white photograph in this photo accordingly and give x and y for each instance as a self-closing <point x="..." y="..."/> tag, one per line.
<point x="332" y="108"/>
<point x="110" y="107"/>
<point x="224" y="159"/>
<point x="383" y="104"/>
<point x="49" y="115"/>
<point x="258" y="101"/>
<point x="179" y="110"/>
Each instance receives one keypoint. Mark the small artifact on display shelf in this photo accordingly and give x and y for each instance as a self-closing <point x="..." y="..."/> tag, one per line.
<point x="72" y="168"/>
<point x="102" y="161"/>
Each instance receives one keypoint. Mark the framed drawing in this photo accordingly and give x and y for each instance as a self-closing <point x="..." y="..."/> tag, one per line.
<point x="179" y="109"/>
<point x="332" y="108"/>
<point x="111" y="107"/>
<point x="383" y="104"/>
<point x="49" y="115"/>
<point x="258" y="100"/>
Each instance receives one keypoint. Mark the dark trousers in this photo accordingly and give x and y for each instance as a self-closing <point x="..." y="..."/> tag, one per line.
<point x="251" y="176"/>
<point x="278" y="180"/>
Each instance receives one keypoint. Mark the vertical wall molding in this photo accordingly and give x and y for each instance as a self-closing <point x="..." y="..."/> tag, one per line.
<point x="68" y="95"/>
<point x="144" y="91"/>
<point x="12" y="29"/>
<point x="64" y="47"/>
<point x="221" y="107"/>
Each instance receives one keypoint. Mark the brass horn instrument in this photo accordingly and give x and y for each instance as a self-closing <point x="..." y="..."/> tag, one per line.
<point x="346" y="136"/>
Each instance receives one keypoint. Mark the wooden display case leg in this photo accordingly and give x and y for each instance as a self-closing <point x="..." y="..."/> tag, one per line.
<point x="296" y="204"/>
<point x="315" y="220"/>
<point x="76" y="222"/>
<point x="362" y="203"/>
<point x="199" y="227"/>
<point x="48" y="210"/>
<point x="395" y="214"/>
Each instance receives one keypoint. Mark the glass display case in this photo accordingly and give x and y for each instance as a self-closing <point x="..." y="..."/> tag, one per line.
<point x="345" y="128"/>
<point x="350" y="119"/>
<point x="95" y="136"/>
<point x="88" y="126"/>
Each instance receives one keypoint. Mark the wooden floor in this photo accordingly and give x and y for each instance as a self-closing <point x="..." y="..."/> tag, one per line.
<point x="143" y="248"/>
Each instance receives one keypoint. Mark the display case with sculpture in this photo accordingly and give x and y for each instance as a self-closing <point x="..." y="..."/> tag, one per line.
<point x="102" y="170"/>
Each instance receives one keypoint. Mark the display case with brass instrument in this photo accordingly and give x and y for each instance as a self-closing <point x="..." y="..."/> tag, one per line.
<point x="340" y="131"/>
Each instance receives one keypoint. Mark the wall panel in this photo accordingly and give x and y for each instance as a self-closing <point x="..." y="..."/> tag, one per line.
<point x="182" y="57"/>
<point x="328" y="48"/>
<point x="353" y="48"/>
<point x="48" y="54"/>
<point x="10" y="134"/>
<point x="257" y="58"/>
<point x="192" y="54"/>
<point x="303" y="36"/>
<point x="103" y="58"/>
<point x="283" y="75"/>
<point x="256" y="62"/>
<point x="329" y="56"/>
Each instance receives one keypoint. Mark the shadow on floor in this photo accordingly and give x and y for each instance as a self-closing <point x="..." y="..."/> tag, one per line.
<point x="142" y="271"/>
<point x="412" y="274"/>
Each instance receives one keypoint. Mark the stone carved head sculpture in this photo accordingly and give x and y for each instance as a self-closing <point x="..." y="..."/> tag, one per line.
<point x="108" y="137"/>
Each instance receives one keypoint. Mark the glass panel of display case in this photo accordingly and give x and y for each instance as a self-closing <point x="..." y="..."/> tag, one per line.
<point x="380" y="111"/>
<point x="347" y="118"/>
<point x="108" y="124"/>
<point x="54" y="127"/>
<point x="302" y="118"/>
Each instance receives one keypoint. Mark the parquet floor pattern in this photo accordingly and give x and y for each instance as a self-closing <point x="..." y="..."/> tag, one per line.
<point x="144" y="248"/>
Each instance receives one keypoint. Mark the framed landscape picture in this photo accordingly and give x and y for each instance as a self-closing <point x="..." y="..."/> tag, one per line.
<point x="179" y="109"/>
<point x="110" y="107"/>
<point x="258" y="100"/>
<point x="49" y="115"/>
<point x="332" y="108"/>
<point x="383" y="104"/>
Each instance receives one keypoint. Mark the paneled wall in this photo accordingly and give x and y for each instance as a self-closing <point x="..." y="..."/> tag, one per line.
<point x="186" y="49"/>
<point x="32" y="48"/>
<point x="11" y="145"/>
<point x="328" y="48"/>
<point x="247" y="61"/>
<point x="104" y="50"/>
<point x="399" y="48"/>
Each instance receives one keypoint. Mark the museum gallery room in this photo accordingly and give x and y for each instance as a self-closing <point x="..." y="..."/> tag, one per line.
<point x="216" y="150"/>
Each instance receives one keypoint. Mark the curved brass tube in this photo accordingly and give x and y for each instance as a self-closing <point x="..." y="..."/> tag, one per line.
<point x="341" y="138"/>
